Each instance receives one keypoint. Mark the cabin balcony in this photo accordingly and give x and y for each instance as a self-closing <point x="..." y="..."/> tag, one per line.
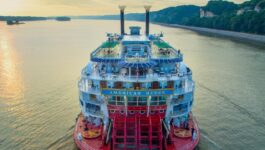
<point x="95" y="85"/>
<point x="93" y="110"/>
<point x="133" y="78"/>
<point x="180" y="110"/>
<point x="85" y="86"/>
<point x="91" y="98"/>
<point x="187" y="88"/>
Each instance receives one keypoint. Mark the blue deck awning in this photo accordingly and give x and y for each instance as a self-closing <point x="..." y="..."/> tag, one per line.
<point x="105" y="60"/>
<point x="168" y="60"/>
<point x="137" y="64"/>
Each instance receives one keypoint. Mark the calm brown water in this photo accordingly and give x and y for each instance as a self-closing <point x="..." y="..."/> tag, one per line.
<point x="40" y="63"/>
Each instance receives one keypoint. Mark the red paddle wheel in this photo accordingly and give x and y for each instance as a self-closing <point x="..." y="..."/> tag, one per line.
<point x="137" y="133"/>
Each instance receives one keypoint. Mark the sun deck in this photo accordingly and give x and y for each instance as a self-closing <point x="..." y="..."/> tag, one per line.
<point x="108" y="50"/>
<point x="115" y="51"/>
<point x="161" y="49"/>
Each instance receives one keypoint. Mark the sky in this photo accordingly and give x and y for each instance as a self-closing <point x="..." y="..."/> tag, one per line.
<point x="85" y="7"/>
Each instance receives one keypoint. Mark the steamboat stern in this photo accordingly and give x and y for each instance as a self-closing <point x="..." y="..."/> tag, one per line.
<point x="136" y="93"/>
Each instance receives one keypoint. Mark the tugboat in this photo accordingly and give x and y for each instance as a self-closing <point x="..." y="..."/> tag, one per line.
<point x="136" y="93"/>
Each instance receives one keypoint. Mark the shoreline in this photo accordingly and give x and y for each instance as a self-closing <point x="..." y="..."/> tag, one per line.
<point x="244" y="37"/>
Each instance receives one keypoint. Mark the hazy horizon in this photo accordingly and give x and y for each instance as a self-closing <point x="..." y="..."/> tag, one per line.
<point x="85" y="7"/>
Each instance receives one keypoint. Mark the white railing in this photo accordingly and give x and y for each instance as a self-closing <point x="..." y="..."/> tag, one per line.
<point x="85" y="85"/>
<point x="144" y="78"/>
<point x="136" y="59"/>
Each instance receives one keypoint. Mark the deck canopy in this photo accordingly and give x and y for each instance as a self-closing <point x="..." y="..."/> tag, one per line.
<point x="137" y="64"/>
<point x="135" y="39"/>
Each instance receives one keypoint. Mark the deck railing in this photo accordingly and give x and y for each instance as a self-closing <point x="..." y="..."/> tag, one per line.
<point x="136" y="59"/>
<point x="147" y="77"/>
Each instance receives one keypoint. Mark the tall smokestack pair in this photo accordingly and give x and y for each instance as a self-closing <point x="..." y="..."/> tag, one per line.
<point x="147" y="19"/>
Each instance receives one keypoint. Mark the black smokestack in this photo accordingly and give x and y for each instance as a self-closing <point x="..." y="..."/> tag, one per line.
<point x="147" y="19"/>
<point x="122" y="19"/>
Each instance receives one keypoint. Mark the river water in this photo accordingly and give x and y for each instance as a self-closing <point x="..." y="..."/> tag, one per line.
<point x="40" y="63"/>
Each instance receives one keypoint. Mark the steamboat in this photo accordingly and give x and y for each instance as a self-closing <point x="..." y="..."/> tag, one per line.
<point x="136" y="94"/>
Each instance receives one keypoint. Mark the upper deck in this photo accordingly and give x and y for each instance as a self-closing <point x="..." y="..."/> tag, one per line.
<point x="135" y="48"/>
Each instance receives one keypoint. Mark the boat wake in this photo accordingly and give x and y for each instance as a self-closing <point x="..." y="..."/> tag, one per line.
<point x="242" y="110"/>
<point x="64" y="142"/>
<point x="207" y="143"/>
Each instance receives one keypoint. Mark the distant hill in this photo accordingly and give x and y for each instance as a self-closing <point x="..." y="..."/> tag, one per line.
<point x="22" y="18"/>
<point x="173" y="15"/>
<point x="220" y="7"/>
<point x="247" y="17"/>
<point x="32" y="18"/>
<point x="253" y="3"/>
<point x="63" y="18"/>
<point x="217" y="14"/>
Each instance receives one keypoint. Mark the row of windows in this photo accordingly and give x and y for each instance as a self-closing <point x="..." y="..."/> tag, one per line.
<point x="137" y="101"/>
<point x="138" y="85"/>
<point x="135" y="111"/>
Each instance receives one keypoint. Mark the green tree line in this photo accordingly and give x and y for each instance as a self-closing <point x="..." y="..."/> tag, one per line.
<point x="250" y="21"/>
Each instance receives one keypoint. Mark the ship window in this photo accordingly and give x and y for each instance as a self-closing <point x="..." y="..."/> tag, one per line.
<point x="120" y="100"/>
<point x="154" y="100"/>
<point x="137" y="101"/>
<point x="132" y="112"/>
<point x="152" y="112"/>
<point x="103" y="84"/>
<point x="142" y="101"/>
<point x="132" y="101"/>
<point x="116" y="100"/>
<point x="170" y="84"/>
<point x="118" y="85"/>
<point x="158" y="100"/>
<point x="137" y="86"/>
<point x="162" y="100"/>
<point x="112" y="100"/>
<point x="142" y="112"/>
<point x="162" y="111"/>
<point x="122" y="111"/>
<point x="155" y="85"/>
<point x="112" y="111"/>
